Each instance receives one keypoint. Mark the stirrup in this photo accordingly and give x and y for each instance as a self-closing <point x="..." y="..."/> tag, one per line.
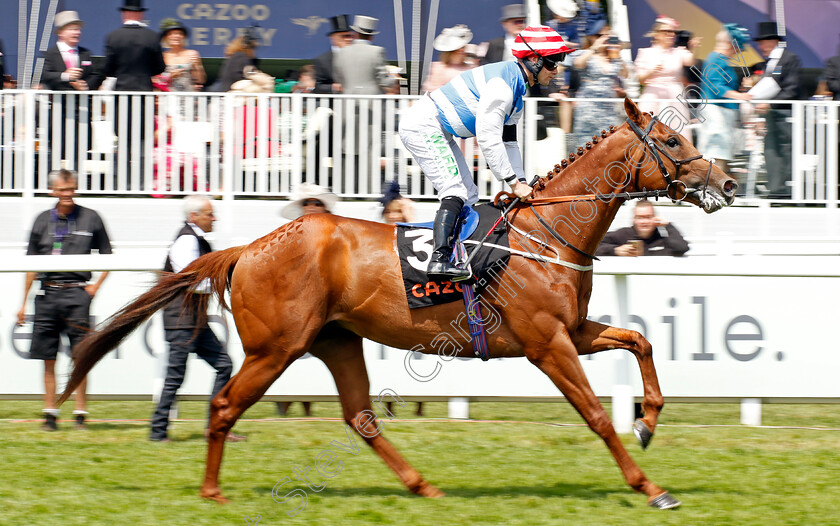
<point x="446" y="271"/>
<point x="460" y="262"/>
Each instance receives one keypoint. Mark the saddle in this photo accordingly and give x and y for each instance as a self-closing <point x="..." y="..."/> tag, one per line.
<point x="414" y="246"/>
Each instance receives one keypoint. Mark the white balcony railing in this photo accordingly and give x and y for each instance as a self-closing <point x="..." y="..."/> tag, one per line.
<point x="244" y="145"/>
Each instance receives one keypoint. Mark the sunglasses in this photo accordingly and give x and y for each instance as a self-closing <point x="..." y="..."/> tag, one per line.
<point x="517" y="20"/>
<point x="668" y="31"/>
<point x="553" y="61"/>
<point x="312" y="202"/>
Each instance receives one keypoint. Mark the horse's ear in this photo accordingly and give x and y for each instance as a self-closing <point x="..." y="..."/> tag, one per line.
<point x="632" y="111"/>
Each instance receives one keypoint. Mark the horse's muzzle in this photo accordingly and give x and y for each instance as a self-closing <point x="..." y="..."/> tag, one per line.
<point x="728" y="190"/>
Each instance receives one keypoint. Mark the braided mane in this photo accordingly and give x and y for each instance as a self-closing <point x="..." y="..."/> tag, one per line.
<point x="558" y="168"/>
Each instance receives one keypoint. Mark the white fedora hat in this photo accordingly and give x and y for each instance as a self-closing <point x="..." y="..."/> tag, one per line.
<point x="308" y="191"/>
<point x="452" y="38"/>
<point x="365" y="25"/>
<point x="67" y="17"/>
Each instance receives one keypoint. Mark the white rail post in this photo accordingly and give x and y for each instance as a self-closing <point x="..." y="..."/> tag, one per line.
<point x="751" y="411"/>
<point x="622" y="394"/>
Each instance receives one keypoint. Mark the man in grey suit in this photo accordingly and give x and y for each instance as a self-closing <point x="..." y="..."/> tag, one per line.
<point x="782" y="66"/>
<point x="360" y="67"/>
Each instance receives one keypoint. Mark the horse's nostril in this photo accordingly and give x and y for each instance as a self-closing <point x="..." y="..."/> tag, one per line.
<point x="729" y="187"/>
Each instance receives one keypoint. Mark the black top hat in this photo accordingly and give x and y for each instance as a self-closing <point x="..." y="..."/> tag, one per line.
<point x="340" y="24"/>
<point x="767" y="31"/>
<point x="132" y="5"/>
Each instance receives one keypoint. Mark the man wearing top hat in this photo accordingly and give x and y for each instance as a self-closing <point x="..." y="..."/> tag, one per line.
<point x="67" y="65"/>
<point x="340" y="36"/>
<point x="360" y="67"/>
<point x="132" y="52"/>
<point x="513" y="21"/>
<point x="783" y="67"/>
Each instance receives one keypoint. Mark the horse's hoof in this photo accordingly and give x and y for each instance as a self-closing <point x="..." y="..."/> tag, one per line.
<point x="427" y="490"/>
<point x="214" y="494"/>
<point x="664" y="501"/>
<point x="642" y="432"/>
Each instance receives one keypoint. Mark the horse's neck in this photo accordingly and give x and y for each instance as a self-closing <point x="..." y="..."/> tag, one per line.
<point x="585" y="222"/>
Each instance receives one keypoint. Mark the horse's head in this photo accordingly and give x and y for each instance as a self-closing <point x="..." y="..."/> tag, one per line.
<point x="666" y="160"/>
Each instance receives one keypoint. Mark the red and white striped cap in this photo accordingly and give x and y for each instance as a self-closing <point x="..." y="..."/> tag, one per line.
<point x="544" y="40"/>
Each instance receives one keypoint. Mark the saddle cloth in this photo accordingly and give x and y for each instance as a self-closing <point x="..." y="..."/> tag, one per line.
<point x="414" y="245"/>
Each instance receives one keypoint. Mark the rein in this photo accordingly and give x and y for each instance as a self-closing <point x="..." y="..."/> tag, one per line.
<point x="655" y="150"/>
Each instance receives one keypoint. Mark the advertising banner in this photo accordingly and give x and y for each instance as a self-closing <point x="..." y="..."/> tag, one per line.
<point x="732" y="337"/>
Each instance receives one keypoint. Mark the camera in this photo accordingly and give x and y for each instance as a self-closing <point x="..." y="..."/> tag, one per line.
<point x="683" y="37"/>
<point x="612" y="41"/>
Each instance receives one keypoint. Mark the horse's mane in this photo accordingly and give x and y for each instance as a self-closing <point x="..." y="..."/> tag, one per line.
<point x="559" y="168"/>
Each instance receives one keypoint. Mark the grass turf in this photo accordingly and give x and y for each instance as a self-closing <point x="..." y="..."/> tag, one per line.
<point x="508" y="472"/>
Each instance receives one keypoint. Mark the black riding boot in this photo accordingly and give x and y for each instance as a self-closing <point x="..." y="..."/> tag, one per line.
<point x="440" y="267"/>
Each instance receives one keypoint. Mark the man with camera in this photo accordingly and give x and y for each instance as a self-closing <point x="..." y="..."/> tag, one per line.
<point x="650" y="235"/>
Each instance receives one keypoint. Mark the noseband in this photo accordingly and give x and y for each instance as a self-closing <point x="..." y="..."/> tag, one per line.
<point x="655" y="150"/>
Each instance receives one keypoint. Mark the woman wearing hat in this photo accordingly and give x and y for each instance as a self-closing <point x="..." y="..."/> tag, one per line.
<point x="660" y="69"/>
<point x="721" y="81"/>
<point x="184" y="70"/>
<point x="241" y="52"/>
<point x="452" y="44"/>
<point x="601" y="69"/>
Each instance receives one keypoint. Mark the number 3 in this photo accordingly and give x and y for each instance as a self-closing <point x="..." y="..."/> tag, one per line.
<point x="421" y="245"/>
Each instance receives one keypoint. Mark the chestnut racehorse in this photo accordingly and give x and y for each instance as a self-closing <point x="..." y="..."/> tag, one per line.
<point x="322" y="283"/>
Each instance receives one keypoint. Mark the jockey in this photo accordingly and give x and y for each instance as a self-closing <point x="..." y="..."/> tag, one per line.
<point x="485" y="103"/>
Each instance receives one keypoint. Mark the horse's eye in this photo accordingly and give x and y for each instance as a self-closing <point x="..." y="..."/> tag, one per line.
<point x="672" y="142"/>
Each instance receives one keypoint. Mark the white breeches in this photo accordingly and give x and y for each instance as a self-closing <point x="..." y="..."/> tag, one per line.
<point x="436" y="151"/>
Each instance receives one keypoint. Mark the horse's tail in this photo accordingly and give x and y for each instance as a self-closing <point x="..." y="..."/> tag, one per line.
<point x="215" y="267"/>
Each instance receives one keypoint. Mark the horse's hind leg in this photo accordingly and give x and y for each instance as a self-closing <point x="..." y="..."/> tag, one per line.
<point x="341" y="351"/>
<point x="561" y="363"/>
<point x="255" y="376"/>
<point x="592" y="337"/>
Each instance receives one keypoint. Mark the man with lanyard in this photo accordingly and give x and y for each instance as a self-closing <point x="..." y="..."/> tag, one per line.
<point x="485" y="103"/>
<point x="63" y="303"/>
<point x="181" y="322"/>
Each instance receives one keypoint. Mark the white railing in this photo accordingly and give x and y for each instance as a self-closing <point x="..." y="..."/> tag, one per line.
<point x="244" y="145"/>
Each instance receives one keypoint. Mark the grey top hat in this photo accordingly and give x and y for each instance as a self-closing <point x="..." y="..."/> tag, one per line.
<point x="340" y="24"/>
<point x="513" y="11"/>
<point x="132" y="5"/>
<point x="365" y="25"/>
<point x="67" y="17"/>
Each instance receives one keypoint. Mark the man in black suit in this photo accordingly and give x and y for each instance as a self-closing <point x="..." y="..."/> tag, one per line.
<point x="513" y="21"/>
<point x="132" y="52"/>
<point x="340" y="36"/>
<point x="783" y="67"/>
<point x="831" y="74"/>
<point x="67" y="65"/>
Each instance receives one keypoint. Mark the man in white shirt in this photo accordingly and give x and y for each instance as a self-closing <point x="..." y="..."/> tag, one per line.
<point x="185" y="327"/>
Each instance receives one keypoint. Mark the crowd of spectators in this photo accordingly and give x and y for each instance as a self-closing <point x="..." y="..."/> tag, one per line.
<point x="140" y="59"/>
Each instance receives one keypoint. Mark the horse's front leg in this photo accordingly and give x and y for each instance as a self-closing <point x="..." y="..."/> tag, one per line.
<point x="592" y="337"/>
<point x="559" y="360"/>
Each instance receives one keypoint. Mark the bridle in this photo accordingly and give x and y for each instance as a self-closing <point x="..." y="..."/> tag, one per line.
<point x="656" y="151"/>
